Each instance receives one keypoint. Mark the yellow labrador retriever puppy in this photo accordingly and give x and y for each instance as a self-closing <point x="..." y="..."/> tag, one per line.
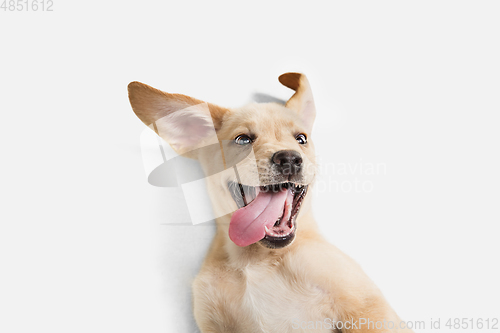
<point x="268" y="269"/>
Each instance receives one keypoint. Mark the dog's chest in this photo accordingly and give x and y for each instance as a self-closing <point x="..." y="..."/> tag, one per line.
<point x="278" y="302"/>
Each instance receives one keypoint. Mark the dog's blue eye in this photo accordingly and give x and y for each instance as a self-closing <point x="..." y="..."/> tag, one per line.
<point x="301" y="139"/>
<point x="243" y="139"/>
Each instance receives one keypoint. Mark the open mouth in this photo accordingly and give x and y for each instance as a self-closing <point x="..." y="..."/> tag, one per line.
<point x="265" y="213"/>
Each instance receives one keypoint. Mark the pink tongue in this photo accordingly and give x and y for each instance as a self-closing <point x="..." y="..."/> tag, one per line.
<point x="247" y="223"/>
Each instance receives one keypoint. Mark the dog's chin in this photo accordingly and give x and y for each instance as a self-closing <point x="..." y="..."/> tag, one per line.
<point x="282" y="233"/>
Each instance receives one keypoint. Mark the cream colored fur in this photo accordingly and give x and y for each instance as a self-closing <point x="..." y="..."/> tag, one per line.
<point x="254" y="288"/>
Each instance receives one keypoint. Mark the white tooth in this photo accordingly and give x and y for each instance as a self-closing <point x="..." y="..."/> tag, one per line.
<point x="267" y="229"/>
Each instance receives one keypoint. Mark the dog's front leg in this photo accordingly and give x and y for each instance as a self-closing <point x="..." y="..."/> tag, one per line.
<point x="213" y="306"/>
<point x="214" y="322"/>
<point x="213" y="327"/>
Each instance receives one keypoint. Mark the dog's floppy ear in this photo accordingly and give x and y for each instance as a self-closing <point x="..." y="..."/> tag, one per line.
<point x="184" y="122"/>
<point x="302" y="101"/>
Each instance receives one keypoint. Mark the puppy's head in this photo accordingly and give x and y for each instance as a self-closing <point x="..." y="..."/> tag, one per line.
<point x="259" y="159"/>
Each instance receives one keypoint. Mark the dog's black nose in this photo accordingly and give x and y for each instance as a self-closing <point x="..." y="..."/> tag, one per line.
<point x="288" y="162"/>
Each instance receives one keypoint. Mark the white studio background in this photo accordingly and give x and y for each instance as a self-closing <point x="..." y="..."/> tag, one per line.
<point x="411" y="87"/>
